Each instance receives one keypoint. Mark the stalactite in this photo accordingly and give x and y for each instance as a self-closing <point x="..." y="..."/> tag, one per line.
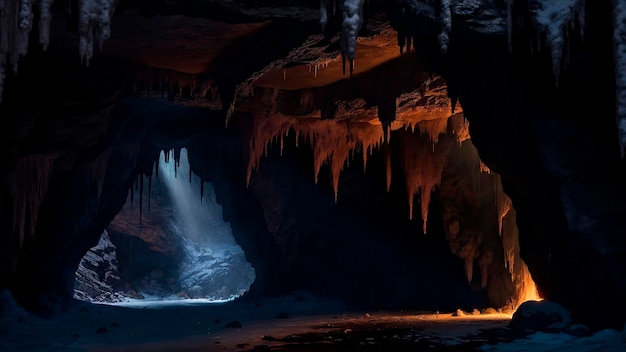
<point x="149" y="190"/>
<point x="140" y="195"/>
<point x="509" y="23"/>
<point x="619" y="47"/>
<point x="446" y="25"/>
<point x="503" y="202"/>
<point x="94" y="24"/>
<point x="553" y="18"/>
<point x="44" y="22"/>
<point x="201" y="190"/>
<point x="352" y="12"/>
<point x="29" y="185"/>
<point x="97" y="170"/>
<point x="433" y="128"/>
<point x="460" y="127"/>
<point x="469" y="268"/>
<point x="332" y="141"/>
<point x="422" y="167"/>
<point x="387" y="153"/>
<point x="180" y="86"/>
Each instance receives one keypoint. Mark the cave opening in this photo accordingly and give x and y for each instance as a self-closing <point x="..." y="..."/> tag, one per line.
<point x="168" y="244"/>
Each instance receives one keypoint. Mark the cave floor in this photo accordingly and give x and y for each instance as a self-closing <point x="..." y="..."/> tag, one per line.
<point x="291" y="323"/>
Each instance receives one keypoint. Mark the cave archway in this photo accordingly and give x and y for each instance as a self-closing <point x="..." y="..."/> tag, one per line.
<point x="169" y="242"/>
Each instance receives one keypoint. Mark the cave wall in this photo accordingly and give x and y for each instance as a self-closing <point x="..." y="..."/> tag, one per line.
<point x="555" y="146"/>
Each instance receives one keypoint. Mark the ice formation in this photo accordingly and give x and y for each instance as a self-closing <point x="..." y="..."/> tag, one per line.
<point x="619" y="40"/>
<point x="352" y="14"/>
<point x="16" y="22"/>
<point x="446" y="25"/>
<point x="557" y="18"/>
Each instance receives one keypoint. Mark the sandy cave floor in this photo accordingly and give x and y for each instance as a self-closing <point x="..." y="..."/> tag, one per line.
<point x="297" y="322"/>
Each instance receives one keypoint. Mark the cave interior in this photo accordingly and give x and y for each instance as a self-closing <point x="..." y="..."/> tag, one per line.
<point x="425" y="155"/>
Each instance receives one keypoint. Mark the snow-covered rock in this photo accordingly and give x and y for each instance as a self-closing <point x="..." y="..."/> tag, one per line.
<point x="543" y="316"/>
<point x="97" y="277"/>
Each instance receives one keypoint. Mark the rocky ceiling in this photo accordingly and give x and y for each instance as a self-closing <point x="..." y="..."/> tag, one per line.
<point x="120" y="80"/>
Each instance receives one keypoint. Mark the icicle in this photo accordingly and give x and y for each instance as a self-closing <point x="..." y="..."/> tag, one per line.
<point x="140" y="196"/>
<point x="619" y="43"/>
<point x="509" y="23"/>
<point x="554" y="18"/>
<point x="201" y="190"/>
<point x="352" y="11"/>
<point x="446" y="25"/>
<point x="323" y="14"/>
<point x="387" y="151"/>
<point x="94" y="24"/>
<point x="44" y="22"/>
<point x="149" y="190"/>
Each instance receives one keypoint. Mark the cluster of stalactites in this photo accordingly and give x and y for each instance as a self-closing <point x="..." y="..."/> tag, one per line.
<point x="352" y="20"/>
<point x="333" y="142"/>
<point x="556" y="19"/>
<point x="423" y="168"/>
<point x="16" y="22"/>
<point x="29" y="186"/>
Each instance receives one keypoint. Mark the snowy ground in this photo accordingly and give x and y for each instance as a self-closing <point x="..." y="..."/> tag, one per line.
<point x="296" y="322"/>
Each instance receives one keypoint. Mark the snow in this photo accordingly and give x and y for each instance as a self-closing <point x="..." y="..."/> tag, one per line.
<point x="200" y="327"/>
<point x="608" y="340"/>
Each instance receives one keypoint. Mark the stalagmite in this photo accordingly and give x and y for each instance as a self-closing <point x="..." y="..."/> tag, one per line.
<point x="433" y="128"/>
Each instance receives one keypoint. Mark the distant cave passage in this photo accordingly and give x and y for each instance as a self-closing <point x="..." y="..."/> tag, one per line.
<point x="169" y="244"/>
